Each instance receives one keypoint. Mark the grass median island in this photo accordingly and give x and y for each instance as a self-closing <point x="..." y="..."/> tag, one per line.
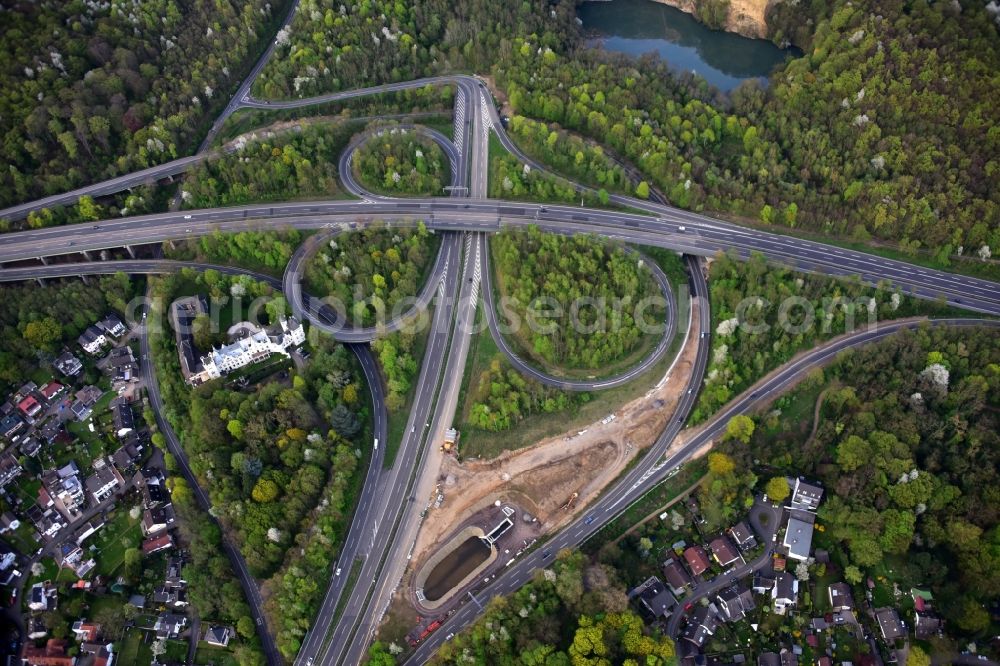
<point x="536" y="272"/>
<point x="519" y="412"/>
<point x="399" y="161"/>
<point x="372" y="269"/>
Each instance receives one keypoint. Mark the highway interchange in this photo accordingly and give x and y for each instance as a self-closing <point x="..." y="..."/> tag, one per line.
<point x="387" y="514"/>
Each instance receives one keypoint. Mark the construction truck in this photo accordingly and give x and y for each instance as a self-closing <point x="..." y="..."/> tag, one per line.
<point x="450" y="444"/>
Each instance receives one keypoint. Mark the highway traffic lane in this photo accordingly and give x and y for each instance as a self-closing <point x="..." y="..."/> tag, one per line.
<point x="982" y="294"/>
<point x="402" y="543"/>
<point x="395" y="486"/>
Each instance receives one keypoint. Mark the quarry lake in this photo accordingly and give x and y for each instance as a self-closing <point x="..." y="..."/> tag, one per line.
<point x="637" y="27"/>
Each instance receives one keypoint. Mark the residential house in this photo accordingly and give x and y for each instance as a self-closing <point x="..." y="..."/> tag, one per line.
<point x="36" y="627"/>
<point x="155" y="544"/>
<point x="30" y="407"/>
<point x="112" y="325"/>
<point x="653" y="599"/>
<point x="696" y="560"/>
<point x="30" y="446"/>
<point x="98" y="653"/>
<point x="798" y="537"/>
<point x="10" y="469"/>
<point x="8" y="522"/>
<point x="89" y="395"/>
<point x="105" y="480"/>
<point x="676" y="576"/>
<point x="127" y="455"/>
<point x="926" y="624"/>
<point x="47" y="521"/>
<point x="723" y="551"/>
<point x="51" y="390"/>
<point x="170" y="595"/>
<point x="769" y="659"/>
<point x="54" y="653"/>
<point x="841" y="598"/>
<point x="788" y="657"/>
<point x="806" y="496"/>
<point x="71" y="556"/>
<point x="785" y="593"/>
<point x="218" y="635"/>
<point x="121" y="365"/>
<point x="742" y="536"/>
<point x="68" y="364"/>
<point x="889" y="624"/>
<point x="700" y="626"/>
<point x="42" y="597"/>
<point x="63" y="486"/>
<point x="80" y="410"/>
<point x="92" y="339"/>
<point x="124" y="419"/>
<point x="10" y="427"/>
<point x="86" y="632"/>
<point x="169" y="625"/>
<point x="175" y="572"/>
<point x="157" y="520"/>
<point x="8" y="556"/>
<point x="735" y="602"/>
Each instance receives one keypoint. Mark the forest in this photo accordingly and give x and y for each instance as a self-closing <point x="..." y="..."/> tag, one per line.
<point x="91" y="90"/>
<point x="574" y="612"/>
<point x="885" y="130"/>
<point x="38" y="321"/>
<point x="537" y="272"/>
<point x="907" y="449"/>
<point x="762" y="315"/>
<point x="279" y="461"/>
<point x="266" y="251"/>
<point x="569" y="155"/>
<point x="338" y="46"/>
<point x="371" y="270"/>
<point x="284" y="166"/>
<point x="398" y="161"/>
<point x="510" y="178"/>
<point x="503" y="397"/>
<point x="395" y="357"/>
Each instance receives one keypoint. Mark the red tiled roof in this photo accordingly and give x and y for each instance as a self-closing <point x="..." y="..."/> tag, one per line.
<point x="51" y="389"/>
<point x="696" y="559"/>
<point x="156" y="543"/>
<point x="28" y="404"/>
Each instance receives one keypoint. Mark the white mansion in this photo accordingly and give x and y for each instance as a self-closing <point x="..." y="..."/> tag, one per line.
<point x="254" y="344"/>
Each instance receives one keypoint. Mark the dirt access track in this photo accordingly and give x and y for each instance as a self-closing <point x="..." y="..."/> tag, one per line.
<point x="540" y="479"/>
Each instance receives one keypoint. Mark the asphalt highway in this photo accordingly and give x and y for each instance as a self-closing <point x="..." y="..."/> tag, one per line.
<point x="394" y="489"/>
<point x="674" y="229"/>
<point x="384" y="522"/>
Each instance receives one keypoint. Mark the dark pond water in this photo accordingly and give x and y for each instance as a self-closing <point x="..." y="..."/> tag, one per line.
<point x="450" y="571"/>
<point x="637" y="27"/>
